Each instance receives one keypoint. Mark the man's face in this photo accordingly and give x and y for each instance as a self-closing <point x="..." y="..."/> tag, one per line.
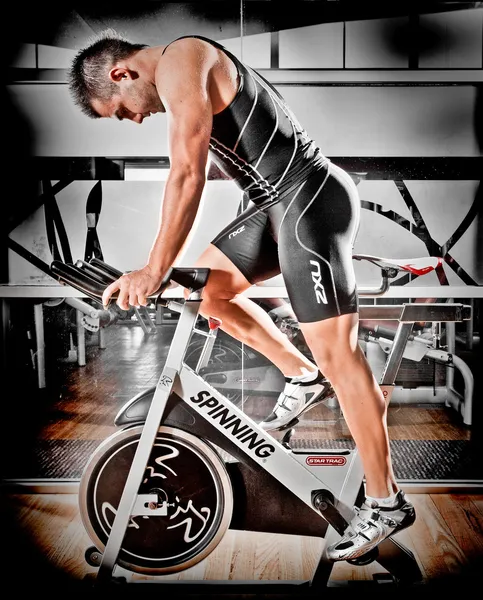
<point x="135" y="101"/>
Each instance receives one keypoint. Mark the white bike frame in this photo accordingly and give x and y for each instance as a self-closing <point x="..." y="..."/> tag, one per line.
<point x="338" y="472"/>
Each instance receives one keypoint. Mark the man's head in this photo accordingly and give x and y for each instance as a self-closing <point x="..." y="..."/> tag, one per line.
<point x="104" y="80"/>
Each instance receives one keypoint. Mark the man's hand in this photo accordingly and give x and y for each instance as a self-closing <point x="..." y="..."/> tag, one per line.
<point x="134" y="288"/>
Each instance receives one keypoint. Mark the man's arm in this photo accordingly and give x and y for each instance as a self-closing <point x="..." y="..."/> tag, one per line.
<point x="183" y="86"/>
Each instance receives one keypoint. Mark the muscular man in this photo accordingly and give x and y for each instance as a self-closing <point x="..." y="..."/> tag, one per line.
<point x="301" y="222"/>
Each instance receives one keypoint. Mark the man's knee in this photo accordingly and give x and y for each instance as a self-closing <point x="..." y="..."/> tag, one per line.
<point x="333" y="343"/>
<point x="220" y="287"/>
<point x="214" y="290"/>
<point x="333" y="360"/>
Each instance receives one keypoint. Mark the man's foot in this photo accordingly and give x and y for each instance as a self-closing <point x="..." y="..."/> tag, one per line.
<point x="296" y="398"/>
<point x="371" y="525"/>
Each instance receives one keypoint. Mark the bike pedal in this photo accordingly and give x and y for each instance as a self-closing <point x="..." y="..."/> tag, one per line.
<point x="365" y="559"/>
<point x="289" y="433"/>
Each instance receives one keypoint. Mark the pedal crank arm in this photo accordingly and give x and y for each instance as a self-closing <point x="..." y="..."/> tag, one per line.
<point x="323" y="501"/>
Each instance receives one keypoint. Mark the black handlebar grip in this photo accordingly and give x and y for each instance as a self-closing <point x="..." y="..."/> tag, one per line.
<point x="96" y="272"/>
<point x="107" y="269"/>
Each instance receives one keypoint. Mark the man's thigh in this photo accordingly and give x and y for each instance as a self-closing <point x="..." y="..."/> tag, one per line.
<point x="225" y="279"/>
<point x="248" y="244"/>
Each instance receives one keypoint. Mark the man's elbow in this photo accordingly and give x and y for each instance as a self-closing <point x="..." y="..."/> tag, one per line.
<point x="190" y="180"/>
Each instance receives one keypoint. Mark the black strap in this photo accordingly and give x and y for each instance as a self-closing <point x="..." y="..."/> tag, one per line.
<point x="433" y="247"/>
<point x="39" y="201"/>
<point x="55" y="226"/>
<point x="420" y="230"/>
<point x="93" y="210"/>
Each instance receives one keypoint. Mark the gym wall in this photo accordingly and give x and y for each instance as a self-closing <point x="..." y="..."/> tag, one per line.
<point x="347" y="120"/>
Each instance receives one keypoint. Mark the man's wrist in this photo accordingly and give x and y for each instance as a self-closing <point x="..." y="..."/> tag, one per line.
<point x="157" y="270"/>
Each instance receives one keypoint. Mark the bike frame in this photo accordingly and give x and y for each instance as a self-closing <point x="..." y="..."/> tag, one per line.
<point x="288" y="467"/>
<point x="293" y="469"/>
<point x="328" y="481"/>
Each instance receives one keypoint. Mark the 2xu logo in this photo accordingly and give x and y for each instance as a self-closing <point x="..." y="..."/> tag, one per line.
<point x="319" y="289"/>
<point x="326" y="461"/>
<point x="234" y="233"/>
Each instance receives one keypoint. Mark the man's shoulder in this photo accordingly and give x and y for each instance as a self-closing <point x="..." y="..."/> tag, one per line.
<point x="188" y="42"/>
<point x="186" y="52"/>
<point x="186" y="57"/>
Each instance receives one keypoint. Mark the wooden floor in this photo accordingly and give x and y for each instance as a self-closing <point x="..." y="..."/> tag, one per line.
<point x="48" y="542"/>
<point x="81" y="402"/>
<point x="45" y="540"/>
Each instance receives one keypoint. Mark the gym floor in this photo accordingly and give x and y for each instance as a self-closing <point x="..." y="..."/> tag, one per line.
<point x="46" y="542"/>
<point x="67" y="419"/>
<point x="78" y="407"/>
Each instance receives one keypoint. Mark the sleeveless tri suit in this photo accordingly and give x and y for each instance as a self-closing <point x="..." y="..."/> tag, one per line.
<point x="301" y="212"/>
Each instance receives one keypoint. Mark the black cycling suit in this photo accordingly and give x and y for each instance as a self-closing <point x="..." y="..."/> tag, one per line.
<point x="303" y="211"/>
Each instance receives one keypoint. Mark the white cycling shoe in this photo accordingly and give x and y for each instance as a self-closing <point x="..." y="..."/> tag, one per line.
<point x="371" y="525"/>
<point x="296" y="398"/>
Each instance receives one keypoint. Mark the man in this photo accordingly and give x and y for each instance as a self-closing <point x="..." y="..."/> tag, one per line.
<point x="302" y="221"/>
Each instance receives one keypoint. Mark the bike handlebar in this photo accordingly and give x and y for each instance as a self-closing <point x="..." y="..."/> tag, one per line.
<point x="93" y="277"/>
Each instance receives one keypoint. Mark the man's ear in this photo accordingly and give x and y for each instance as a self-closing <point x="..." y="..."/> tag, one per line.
<point x="117" y="74"/>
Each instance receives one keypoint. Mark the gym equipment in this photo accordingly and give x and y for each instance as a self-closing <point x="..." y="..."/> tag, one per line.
<point x="242" y="373"/>
<point x="419" y="347"/>
<point x="157" y="496"/>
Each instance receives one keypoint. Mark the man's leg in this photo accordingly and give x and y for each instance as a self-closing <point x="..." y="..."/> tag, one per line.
<point x="334" y="345"/>
<point x="385" y="510"/>
<point x="245" y="320"/>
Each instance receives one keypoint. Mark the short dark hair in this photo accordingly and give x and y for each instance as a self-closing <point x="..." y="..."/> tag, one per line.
<point x="89" y="72"/>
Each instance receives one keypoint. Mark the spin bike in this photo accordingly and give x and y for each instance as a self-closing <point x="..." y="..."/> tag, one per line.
<point x="186" y="464"/>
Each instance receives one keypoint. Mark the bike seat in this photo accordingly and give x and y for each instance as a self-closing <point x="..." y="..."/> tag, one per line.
<point x="416" y="266"/>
